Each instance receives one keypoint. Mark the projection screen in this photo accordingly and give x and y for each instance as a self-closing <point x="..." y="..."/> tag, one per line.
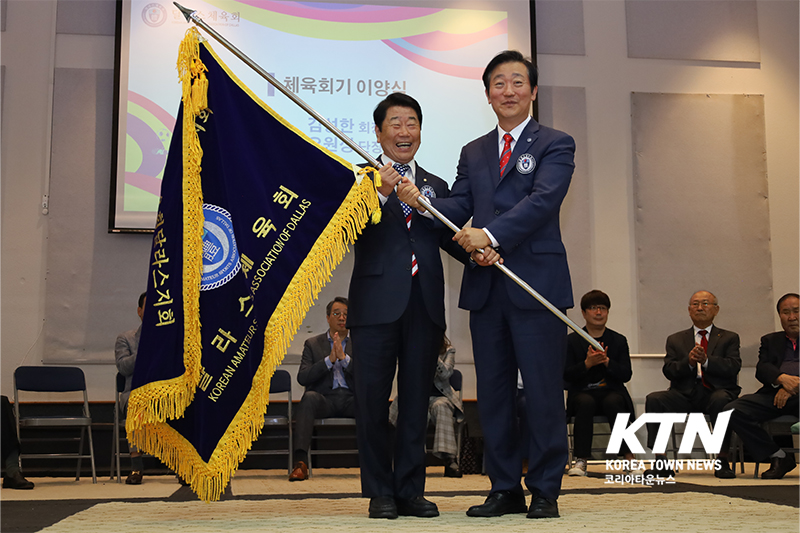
<point x="341" y="58"/>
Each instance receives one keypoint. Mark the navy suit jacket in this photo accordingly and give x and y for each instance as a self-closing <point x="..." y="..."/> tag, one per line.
<point x="770" y="356"/>
<point x="380" y="286"/>
<point x="314" y="374"/>
<point x="724" y="361"/>
<point x="520" y="209"/>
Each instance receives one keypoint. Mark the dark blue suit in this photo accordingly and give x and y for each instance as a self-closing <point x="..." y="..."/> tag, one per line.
<point x="510" y="329"/>
<point x="751" y="410"/>
<point x="397" y="321"/>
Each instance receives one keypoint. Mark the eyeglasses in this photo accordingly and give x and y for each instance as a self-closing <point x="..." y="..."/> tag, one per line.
<point x="337" y="314"/>
<point x="597" y="308"/>
<point x="704" y="303"/>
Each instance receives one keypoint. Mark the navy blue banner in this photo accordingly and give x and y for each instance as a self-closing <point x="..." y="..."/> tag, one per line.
<point x="241" y="250"/>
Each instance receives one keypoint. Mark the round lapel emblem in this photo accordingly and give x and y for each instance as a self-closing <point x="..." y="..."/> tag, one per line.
<point x="525" y="164"/>
<point x="427" y="191"/>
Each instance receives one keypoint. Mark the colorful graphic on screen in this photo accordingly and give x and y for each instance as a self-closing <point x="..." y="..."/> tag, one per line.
<point x="342" y="59"/>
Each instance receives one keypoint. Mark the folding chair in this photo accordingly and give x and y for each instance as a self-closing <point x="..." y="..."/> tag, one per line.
<point x="119" y="386"/>
<point x="601" y="420"/>
<point x="604" y="431"/>
<point x="48" y="379"/>
<point x="777" y="426"/>
<point x="331" y="422"/>
<point x="281" y="383"/>
<point x="696" y="448"/>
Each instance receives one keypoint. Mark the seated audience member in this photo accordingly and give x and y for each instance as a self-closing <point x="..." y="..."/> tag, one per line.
<point x="596" y="380"/>
<point x="444" y="409"/>
<point x="702" y="364"/>
<point x="327" y="374"/>
<point x="13" y="478"/>
<point x="777" y="369"/>
<point x="125" y="358"/>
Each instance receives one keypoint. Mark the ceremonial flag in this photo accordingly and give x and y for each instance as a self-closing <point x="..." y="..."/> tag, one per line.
<point x="253" y="218"/>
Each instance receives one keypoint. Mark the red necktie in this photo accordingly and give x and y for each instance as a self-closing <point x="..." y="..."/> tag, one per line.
<point x="704" y="344"/>
<point x="506" y="155"/>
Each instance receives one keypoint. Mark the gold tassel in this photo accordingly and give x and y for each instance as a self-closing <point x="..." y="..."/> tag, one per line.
<point x="376" y="214"/>
<point x="162" y="400"/>
<point x="208" y="480"/>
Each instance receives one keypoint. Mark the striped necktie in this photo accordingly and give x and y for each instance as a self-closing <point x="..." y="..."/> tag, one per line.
<point x="407" y="212"/>
<point x="506" y="155"/>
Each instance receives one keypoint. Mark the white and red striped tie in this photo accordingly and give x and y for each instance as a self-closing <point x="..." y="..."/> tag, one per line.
<point x="407" y="212"/>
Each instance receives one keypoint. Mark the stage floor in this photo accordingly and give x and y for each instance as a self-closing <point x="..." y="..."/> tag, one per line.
<point x="264" y="500"/>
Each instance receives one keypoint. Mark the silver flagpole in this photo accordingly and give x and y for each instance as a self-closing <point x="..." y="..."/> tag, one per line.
<point x="191" y="16"/>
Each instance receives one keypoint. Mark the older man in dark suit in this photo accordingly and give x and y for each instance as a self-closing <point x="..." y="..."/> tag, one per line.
<point x="397" y="320"/>
<point x="326" y="371"/>
<point x="702" y="364"/>
<point x="512" y="182"/>
<point x="777" y="369"/>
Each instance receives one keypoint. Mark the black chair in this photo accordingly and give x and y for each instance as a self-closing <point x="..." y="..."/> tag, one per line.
<point x="775" y="427"/>
<point x="119" y="427"/>
<point x="331" y="422"/>
<point x="599" y="420"/>
<point x="281" y="383"/>
<point x="118" y="421"/>
<point x="696" y="448"/>
<point x="50" y="379"/>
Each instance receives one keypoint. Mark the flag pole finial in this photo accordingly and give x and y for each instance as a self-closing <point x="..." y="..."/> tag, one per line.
<point x="185" y="10"/>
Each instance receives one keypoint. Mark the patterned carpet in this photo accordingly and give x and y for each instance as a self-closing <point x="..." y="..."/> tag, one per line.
<point x="259" y="500"/>
<point x="639" y="513"/>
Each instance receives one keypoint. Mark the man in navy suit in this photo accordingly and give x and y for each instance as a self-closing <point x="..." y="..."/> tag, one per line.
<point x="396" y="320"/>
<point x="777" y="369"/>
<point x="512" y="182"/>
<point x="326" y="372"/>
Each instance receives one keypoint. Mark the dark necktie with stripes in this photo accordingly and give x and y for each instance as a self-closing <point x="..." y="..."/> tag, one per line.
<point x="506" y="155"/>
<point x="407" y="212"/>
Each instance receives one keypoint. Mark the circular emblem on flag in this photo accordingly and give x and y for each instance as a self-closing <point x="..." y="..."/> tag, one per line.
<point x="220" y="255"/>
<point x="525" y="164"/>
<point x="154" y="15"/>
<point x="427" y="191"/>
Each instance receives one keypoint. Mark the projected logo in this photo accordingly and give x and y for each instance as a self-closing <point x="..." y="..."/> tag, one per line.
<point x="220" y="255"/>
<point x="154" y="15"/>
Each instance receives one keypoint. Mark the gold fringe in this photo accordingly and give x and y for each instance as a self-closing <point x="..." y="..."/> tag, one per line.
<point x="208" y="480"/>
<point x="376" y="214"/>
<point x="159" y="401"/>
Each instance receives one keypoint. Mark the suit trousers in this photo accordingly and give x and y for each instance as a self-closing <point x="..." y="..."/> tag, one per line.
<point x="587" y="404"/>
<point x="313" y="405"/>
<point x="749" y="412"/>
<point x="8" y="423"/>
<point x="699" y="400"/>
<point x="410" y="344"/>
<point x="505" y="338"/>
